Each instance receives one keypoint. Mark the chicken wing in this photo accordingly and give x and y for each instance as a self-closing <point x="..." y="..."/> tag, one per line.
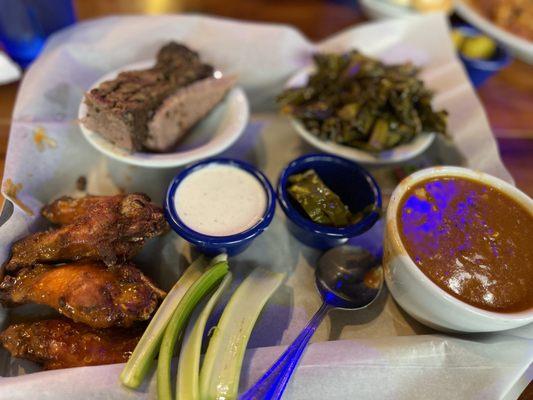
<point x="66" y="210"/>
<point x="111" y="229"/>
<point x="60" y="343"/>
<point x="86" y="291"/>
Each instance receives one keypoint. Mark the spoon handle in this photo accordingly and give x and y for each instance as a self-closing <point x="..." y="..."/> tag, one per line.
<point x="272" y="384"/>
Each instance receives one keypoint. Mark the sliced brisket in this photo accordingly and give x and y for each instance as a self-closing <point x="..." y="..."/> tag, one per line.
<point x="120" y="109"/>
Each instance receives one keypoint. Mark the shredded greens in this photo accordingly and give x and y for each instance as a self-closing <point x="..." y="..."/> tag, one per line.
<point x="360" y="102"/>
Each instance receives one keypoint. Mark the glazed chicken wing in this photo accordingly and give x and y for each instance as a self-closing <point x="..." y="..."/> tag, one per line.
<point x="86" y="291"/>
<point x="59" y="343"/>
<point x="66" y="210"/>
<point x="111" y="229"/>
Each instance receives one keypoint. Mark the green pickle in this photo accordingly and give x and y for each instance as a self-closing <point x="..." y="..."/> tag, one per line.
<point x="320" y="203"/>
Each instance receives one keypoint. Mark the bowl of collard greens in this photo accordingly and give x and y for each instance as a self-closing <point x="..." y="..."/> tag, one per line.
<point x="362" y="109"/>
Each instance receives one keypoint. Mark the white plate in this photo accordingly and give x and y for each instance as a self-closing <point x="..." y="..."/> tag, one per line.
<point x="520" y="47"/>
<point x="214" y="134"/>
<point x="9" y="71"/>
<point x="380" y="9"/>
<point x="398" y="154"/>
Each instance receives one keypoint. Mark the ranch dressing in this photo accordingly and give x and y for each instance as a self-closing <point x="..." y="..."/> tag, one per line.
<point x="220" y="200"/>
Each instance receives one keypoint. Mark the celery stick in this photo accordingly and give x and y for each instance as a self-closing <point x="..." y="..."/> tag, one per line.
<point x="209" y="279"/>
<point x="220" y="373"/>
<point x="142" y="357"/>
<point x="188" y="378"/>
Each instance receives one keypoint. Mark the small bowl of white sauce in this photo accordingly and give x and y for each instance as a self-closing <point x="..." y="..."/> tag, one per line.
<point x="220" y="205"/>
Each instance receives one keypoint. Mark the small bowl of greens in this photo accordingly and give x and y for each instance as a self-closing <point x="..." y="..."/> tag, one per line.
<point x="328" y="199"/>
<point x="357" y="107"/>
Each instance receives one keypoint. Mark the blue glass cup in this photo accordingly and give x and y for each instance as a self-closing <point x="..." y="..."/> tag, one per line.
<point x="25" y="25"/>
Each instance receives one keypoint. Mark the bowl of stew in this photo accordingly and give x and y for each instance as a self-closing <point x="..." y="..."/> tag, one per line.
<point x="457" y="250"/>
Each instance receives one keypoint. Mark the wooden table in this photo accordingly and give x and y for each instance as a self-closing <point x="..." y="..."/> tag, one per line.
<point x="507" y="97"/>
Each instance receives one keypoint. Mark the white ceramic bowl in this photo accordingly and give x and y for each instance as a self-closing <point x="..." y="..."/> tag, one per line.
<point x="211" y="136"/>
<point x="381" y="9"/>
<point x="396" y="155"/>
<point x="416" y="293"/>
<point x="520" y="47"/>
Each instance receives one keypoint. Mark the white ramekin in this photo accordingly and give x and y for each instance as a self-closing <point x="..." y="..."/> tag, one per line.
<point x="421" y="297"/>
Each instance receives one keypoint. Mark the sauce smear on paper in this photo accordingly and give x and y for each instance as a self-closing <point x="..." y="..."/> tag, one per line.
<point x="42" y="140"/>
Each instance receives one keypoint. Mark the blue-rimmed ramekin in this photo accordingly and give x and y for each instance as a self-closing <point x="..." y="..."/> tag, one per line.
<point x="479" y="70"/>
<point x="354" y="185"/>
<point x="213" y="245"/>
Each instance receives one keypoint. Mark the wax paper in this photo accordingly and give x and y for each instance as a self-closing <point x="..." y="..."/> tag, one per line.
<point x="376" y="353"/>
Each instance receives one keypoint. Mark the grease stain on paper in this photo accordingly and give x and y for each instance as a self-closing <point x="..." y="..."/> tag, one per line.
<point x="42" y="140"/>
<point x="11" y="190"/>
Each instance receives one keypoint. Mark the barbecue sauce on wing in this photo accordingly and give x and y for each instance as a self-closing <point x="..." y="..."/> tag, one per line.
<point x="472" y="240"/>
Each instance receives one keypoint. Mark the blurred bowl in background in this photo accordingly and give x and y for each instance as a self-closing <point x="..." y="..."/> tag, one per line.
<point x="480" y="70"/>
<point x="519" y="47"/>
<point x="381" y="9"/>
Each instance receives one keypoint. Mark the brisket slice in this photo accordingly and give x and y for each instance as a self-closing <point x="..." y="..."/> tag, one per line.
<point x="120" y="109"/>
<point x="183" y="109"/>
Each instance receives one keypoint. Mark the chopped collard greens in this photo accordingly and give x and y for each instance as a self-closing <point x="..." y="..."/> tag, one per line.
<point x="358" y="101"/>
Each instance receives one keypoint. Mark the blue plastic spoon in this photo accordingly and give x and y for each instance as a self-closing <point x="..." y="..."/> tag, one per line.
<point x="347" y="277"/>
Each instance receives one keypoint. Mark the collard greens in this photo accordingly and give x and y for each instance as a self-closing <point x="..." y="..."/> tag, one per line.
<point x="360" y="102"/>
